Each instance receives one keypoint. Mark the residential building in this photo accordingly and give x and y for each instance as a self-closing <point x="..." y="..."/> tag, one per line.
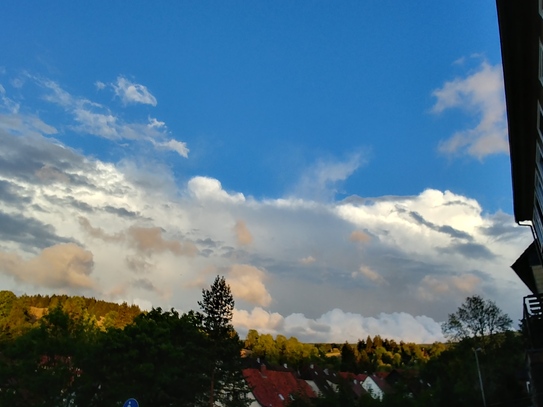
<point x="521" y="38"/>
<point x="275" y="388"/>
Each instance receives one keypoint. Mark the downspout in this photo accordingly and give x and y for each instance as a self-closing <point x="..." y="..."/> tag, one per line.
<point x="531" y="226"/>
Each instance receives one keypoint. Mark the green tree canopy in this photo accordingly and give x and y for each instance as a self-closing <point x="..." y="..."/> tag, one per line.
<point x="227" y="386"/>
<point x="478" y="319"/>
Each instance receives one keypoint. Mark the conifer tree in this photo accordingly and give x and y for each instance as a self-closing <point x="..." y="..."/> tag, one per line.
<point x="227" y="386"/>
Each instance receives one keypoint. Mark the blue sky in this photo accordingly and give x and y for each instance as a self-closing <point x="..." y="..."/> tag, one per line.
<point x="354" y="152"/>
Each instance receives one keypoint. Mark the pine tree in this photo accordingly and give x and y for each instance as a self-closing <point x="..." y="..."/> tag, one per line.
<point x="227" y="386"/>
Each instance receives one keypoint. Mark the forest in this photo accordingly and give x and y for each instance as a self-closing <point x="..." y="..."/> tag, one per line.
<point x="76" y="351"/>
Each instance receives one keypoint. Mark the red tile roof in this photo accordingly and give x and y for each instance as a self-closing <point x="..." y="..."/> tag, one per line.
<point x="381" y="383"/>
<point x="269" y="386"/>
<point x="355" y="381"/>
<point x="361" y="377"/>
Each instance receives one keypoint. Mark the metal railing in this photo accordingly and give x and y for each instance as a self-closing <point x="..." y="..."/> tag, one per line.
<point x="533" y="320"/>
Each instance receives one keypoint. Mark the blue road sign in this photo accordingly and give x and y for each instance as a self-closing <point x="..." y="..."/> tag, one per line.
<point x="131" y="403"/>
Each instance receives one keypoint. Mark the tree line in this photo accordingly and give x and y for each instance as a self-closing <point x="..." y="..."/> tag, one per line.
<point x="366" y="356"/>
<point x="482" y="364"/>
<point x="86" y="352"/>
<point x="19" y="314"/>
<point x="160" y="358"/>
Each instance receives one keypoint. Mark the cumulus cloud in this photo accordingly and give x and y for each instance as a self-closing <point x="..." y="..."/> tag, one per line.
<point x="247" y="283"/>
<point x="98" y="233"/>
<point x="205" y="188"/>
<point x="359" y="236"/>
<point x="138" y="264"/>
<point x="150" y="236"/>
<point x="61" y="266"/>
<point x="447" y="218"/>
<point x="243" y="234"/>
<point x="150" y="240"/>
<point x="50" y="174"/>
<point x="130" y="92"/>
<point x="339" y="326"/>
<point x="259" y="319"/>
<point x="480" y="94"/>
<point x="433" y="287"/>
<point x="147" y="240"/>
<point x="370" y="274"/>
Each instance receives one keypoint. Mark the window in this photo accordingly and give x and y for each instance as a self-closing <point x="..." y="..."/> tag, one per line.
<point x="538" y="213"/>
<point x="540" y="122"/>
<point x="540" y="61"/>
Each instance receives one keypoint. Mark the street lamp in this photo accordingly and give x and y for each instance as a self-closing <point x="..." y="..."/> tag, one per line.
<point x="480" y="377"/>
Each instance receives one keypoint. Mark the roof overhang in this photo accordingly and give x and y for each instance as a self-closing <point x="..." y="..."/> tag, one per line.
<point x="525" y="264"/>
<point x="519" y="25"/>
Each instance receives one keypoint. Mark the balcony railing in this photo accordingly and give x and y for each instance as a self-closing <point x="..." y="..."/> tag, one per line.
<point x="533" y="320"/>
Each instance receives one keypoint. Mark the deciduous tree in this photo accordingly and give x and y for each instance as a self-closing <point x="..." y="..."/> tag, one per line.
<point x="478" y="319"/>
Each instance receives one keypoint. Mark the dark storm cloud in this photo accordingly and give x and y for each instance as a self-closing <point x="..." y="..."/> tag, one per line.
<point x="138" y="264"/>
<point x="122" y="212"/>
<point x="318" y="327"/>
<point x="469" y="250"/>
<point x="9" y="195"/>
<point x="28" y="232"/>
<point x="502" y="227"/>
<point x="361" y="201"/>
<point x="206" y="252"/>
<point x="70" y="201"/>
<point x="145" y="284"/>
<point x="38" y="160"/>
<point x="448" y="230"/>
<point x="207" y="242"/>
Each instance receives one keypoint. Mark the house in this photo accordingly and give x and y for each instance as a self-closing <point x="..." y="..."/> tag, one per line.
<point x="376" y="385"/>
<point x="521" y="38"/>
<point x="322" y="381"/>
<point x="275" y="388"/>
<point x="355" y="383"/>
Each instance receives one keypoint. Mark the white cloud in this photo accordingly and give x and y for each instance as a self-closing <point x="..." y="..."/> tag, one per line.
<point x="205" y="188"/>
<point x="60" y="266"/>
<point x="247" y="283"/>
<point x="97" y="124"/>
<point x="130" y="92"/>
<point x="322" y="180"/>
<point x="243" y="235"/>
<point x="143" y="235"/>
<point x="480" y="94"/>
<point x="258" y="319"/>
<point x="433" y="287"/>
<point x="153" y="122"/>
<point x="179" y="147"/>
<point x="370" y="274"/>
<point x="339" y="326"/>
<point x="6" y="103"/>
<point x="98" y="120"/>
<point x="359" y="236"/>
<point x="100" y="85"/>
